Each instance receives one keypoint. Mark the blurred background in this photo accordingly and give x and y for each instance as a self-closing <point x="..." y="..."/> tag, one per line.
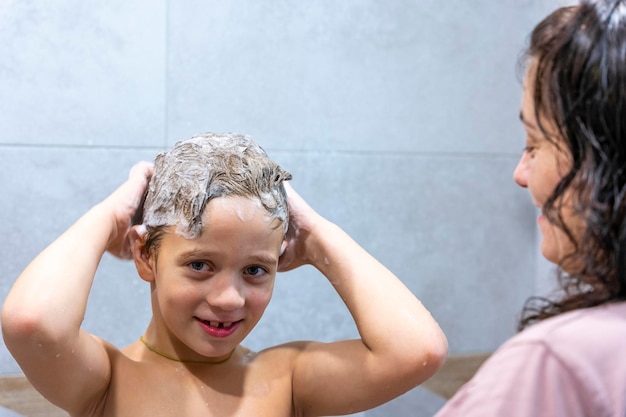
<point x="398" y="120"/>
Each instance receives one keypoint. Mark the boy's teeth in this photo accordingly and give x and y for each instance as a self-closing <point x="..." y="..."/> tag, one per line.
<point x="219" y="324"/>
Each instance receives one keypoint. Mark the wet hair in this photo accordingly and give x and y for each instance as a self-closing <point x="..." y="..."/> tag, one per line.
<point x="208" y="166"/>
<point x="579" y="57"/>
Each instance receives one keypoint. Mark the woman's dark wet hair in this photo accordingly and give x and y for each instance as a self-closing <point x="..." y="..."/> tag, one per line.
<point x="578" y="55"/>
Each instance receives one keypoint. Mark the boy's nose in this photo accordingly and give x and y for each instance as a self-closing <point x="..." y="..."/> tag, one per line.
<point x="226" y="292"/>
<point x="520" y="175"/>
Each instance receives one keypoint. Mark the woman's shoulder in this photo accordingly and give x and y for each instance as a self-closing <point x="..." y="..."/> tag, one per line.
<point x="588" y="333"/>
<point x="573" y="360"/>
<point x="581" y="323"/>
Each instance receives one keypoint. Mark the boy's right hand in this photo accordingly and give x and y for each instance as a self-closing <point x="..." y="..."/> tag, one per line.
<point x="123" y="204"/>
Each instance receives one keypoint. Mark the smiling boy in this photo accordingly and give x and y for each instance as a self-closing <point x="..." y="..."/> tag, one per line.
<point x="219" y="222"/>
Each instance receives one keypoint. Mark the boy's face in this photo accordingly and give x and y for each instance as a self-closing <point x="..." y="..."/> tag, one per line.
<point x="209" y="292"/>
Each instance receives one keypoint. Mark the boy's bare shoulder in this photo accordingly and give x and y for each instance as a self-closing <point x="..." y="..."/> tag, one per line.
<point x="250" y="383"/>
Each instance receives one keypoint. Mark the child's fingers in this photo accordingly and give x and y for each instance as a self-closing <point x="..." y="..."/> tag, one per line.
<point x="142" y="169"/>
<point x="138" y="178"/>
<point x="140" y="175"/>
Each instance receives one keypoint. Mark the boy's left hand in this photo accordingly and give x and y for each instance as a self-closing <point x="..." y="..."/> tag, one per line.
<point x="302" y="222"/>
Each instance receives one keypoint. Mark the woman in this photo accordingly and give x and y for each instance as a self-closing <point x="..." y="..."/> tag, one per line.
<point x="570" y="358"/>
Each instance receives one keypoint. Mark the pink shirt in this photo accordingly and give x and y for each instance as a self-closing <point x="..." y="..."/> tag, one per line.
<point x="571" y="365"/>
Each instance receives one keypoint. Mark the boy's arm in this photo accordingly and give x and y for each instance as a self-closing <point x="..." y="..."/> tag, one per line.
<point x="401" y="345"/>
<point x="42" y="315"/>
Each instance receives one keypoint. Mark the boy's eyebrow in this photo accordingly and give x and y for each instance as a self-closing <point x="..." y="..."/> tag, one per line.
<point x="265" y="259"/>
<point x="199" y="253"/>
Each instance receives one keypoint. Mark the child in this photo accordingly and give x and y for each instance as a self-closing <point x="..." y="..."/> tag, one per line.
<point x="214" y="234"/>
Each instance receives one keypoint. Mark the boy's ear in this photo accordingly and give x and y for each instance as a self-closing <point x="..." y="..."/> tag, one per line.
<point x="143" y="261"/>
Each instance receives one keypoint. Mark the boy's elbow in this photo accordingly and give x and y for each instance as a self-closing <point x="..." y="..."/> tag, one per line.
<point x="428" y="358"/>
<point x="437" y="354"/>
<point x="17" y="324"/>
<point x="440" y="347"/>
<point x="20" y="326"/>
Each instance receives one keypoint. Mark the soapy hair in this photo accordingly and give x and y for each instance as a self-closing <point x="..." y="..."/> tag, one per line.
<point x="208" y="166"/>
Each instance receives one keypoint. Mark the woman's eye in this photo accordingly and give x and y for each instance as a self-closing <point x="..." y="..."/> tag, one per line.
<point x="529" y="149"/>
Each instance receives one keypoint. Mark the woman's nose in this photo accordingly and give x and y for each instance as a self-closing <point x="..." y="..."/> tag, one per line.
<point x="226" y="292"/>
<point x="520" y="175"/>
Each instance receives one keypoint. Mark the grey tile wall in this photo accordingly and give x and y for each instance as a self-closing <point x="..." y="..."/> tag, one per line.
<point x="351" y="75"/>
<point x="83" y="72"/>
<point x="398" y="120"/>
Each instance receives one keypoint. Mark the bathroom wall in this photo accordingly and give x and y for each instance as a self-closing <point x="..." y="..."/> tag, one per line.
<point x="398" y="120"/>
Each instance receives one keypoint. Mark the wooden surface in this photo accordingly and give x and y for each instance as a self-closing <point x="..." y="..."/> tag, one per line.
<point x="17" y="394"/>
<point x="456" y="371"/>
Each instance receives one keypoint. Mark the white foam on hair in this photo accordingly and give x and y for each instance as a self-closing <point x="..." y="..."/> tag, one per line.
<point x="211" y="166"/>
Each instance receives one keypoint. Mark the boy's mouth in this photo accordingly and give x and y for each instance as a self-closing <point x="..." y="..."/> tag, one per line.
<point x="217" y="324"/>
<point x="219" y="329"/>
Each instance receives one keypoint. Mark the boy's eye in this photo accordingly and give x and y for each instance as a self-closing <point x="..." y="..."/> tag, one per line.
<point x="197" y="265"/>
<point x="255" y="270"/>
